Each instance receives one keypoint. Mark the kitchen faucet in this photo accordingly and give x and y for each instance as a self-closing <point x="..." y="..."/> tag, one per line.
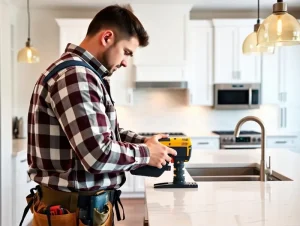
<point x="263" y="144"/>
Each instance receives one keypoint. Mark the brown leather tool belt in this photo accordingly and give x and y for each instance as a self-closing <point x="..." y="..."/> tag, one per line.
<point x="51" y="207"/>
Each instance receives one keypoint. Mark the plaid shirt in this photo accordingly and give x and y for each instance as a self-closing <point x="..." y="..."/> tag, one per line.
<point x="74" y="141"/>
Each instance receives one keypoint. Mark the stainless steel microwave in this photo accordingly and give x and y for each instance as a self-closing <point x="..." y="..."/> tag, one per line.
<point x="237" y="96"/>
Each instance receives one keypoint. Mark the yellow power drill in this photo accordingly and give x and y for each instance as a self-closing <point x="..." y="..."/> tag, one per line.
<point x="183" y="146"/>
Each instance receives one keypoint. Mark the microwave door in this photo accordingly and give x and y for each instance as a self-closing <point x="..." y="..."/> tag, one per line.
<point x="242" y="96"/>
<point x="233" y="99"/>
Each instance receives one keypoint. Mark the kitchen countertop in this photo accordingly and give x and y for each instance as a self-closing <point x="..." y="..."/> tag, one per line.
<point x="253" y="203"/>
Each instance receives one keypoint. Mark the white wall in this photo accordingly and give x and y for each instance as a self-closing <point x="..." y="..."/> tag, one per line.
<point x="5" y="115"/>
<point x="164" y="110"/>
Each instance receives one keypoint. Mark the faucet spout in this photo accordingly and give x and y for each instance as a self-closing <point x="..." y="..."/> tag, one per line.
<point x="263" y="141"/>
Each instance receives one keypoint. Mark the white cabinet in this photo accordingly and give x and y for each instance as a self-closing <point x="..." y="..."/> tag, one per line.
<point x="166" y="25"/>
<point x="74" y="31"/>
<point x="206" y="143"/>
<point x="271" y="74"/>
<point x="71" y="31"/>
<point x="200" y="63"/>
<point x="21" y="188"/>
<point x="134" y="186"/>
<point x="121" y="86"/>
<point x="230" y="65"/>
<point x="280" y="81"/>
<point x="289" y="142"/>
<point x="165" y="58"/>
<point x="129" y="184"/>
<point x="139" y="184"/>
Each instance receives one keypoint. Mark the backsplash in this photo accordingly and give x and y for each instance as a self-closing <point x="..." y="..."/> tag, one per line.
<point x="169" y="110"/>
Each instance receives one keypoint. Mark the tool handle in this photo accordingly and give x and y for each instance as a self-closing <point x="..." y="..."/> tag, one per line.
<point x="150" y="171"/>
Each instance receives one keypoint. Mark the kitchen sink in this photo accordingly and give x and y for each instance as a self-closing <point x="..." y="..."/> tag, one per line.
<point x="249" y="173"/>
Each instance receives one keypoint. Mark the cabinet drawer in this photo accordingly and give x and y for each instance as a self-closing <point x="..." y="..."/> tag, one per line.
<point x="205" y="143"/>
<point x="281" y="142"/>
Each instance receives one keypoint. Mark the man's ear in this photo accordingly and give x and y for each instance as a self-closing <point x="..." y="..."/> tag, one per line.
<point x="106" y="38"/>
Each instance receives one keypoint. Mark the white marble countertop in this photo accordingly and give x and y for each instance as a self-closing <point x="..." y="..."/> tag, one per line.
<point x="253" y="203"/>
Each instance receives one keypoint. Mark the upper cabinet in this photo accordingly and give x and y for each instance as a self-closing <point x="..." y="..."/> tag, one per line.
<point x="230" y="65"/>
<point x="166" y="25"/>
<point x="165" y="58"/>
<point x="200" y="62"/>
<point x="71" y="31"/>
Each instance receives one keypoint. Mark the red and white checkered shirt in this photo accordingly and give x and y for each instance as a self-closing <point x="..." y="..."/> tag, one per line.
<point x="74" y="141"/>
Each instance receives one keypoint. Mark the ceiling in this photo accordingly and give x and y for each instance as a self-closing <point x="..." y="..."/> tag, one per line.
<point x="197" y="4"/>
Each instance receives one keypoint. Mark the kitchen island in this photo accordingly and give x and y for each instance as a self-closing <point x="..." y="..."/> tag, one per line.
<point x="230" y="203"/>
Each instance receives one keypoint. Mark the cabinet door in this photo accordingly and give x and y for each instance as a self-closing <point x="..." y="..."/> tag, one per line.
<point x="121" y="87"/>
<point x="225" y="57"/>
<point x="23" y="184"/>
<point x="270" y="78"/>
<point x="206" y="143"/>
<point x="200" y="64"/>
<point x="74" y="35"/>
<point x="166" y="25"/>
<point x="139" y="184"/>
<point x="249" y="67"/>
<point x="72" y="31"/>
<point x="291" y="79"/>
<point x="129" y="184"/>
<point x="281" y="142"/>
<point x="289" y="94"/>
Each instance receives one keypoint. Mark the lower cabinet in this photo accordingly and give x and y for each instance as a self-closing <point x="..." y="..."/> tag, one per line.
<point x="134" y="186"/>
<point x="288" y="142"/>
<point x="206" y="143"/>
<point x="21" y="188"/>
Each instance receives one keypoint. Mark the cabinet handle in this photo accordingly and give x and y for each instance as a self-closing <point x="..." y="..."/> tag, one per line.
<point x="250" y="96"/>
<point x="279" y="97"/>
<point x="281" y="142"/>
<point x="285" y="96"/>
<point x="208" y="65"/>
<point x="23" y="160"/>
<point x="285" y="117"/>
<point x="203" y="143"/>
<point x="239" y="75"/>
<point x="281" y="117"/>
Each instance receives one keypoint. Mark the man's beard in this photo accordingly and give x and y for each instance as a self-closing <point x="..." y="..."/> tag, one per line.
<point x="105" y="61"/>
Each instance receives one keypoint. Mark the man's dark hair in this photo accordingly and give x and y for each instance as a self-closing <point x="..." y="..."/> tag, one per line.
<point x="121" y="20"/>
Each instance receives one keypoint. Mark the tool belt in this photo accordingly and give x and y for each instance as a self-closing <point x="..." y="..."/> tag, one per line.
<point x="57" y="208"/>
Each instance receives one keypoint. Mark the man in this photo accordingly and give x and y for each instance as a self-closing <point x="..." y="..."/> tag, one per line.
<point x="74" y="142"/>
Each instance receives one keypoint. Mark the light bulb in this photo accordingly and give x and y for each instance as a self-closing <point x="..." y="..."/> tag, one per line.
<point x="279" y="26"/>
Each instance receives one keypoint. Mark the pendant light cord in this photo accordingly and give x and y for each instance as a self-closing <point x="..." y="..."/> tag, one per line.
<point x="258" y="20"/>
<point x="28" y="13"/>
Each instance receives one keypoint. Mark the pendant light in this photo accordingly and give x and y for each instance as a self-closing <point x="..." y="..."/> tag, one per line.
<point x="28" y="54"/>
<point x="280" y="28"/>
<point x="250" y="46"/>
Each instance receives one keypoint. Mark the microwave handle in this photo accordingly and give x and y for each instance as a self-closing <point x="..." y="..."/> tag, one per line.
<point x="250" y="97"/>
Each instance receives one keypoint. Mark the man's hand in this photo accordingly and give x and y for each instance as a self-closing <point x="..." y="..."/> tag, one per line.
<point x="159" y="152"/>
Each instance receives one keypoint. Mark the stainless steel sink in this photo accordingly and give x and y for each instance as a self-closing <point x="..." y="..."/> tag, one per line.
<point x="251" y="173"/>
<point x="223" y="171"/>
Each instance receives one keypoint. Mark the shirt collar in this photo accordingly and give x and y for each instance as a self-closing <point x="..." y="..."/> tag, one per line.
<point x="88" y="57"/>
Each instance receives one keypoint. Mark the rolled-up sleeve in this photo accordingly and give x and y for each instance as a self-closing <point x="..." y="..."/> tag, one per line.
<point x="77" y="100"/>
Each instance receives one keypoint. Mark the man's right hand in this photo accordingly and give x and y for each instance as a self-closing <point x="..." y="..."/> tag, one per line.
<point x="159" y="153"/>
